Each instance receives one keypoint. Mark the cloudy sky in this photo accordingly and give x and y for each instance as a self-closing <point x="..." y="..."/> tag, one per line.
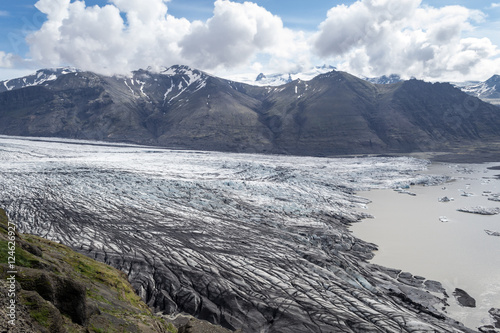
<point x="432" y="40"/>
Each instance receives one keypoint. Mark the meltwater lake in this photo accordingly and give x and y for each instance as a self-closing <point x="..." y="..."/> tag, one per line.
<point x="421" y="235"/>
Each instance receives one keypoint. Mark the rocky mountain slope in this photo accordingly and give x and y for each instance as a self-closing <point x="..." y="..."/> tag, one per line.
<point x="41" y="77"/>
<point x="489" y="90"/>
<point x="58" y="290"/>
<point x="334" y="113"/>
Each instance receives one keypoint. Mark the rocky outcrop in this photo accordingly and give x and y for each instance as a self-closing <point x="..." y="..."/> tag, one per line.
<point x="495" y="327"/>
<point x="464" y="299"/>
<point x="488" y="329"/>
<point x="495" y="313"/>
<point x="198" y="326"/>
<point x="66" y="294"/>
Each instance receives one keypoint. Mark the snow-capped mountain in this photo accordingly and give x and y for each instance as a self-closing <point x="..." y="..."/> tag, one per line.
<point x="384" y="79"/>
<point x="166" y="86"/>
<point x="333" y="113"/>
<point x="278" y="79"/>
<point x="489" y="90"/>
<point x="273" y="79"/>
<point x="284" y="78"/>
<point x="40" y="77"/>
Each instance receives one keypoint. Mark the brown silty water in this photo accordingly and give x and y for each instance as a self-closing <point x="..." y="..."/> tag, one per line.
<point x="426" y="237"/>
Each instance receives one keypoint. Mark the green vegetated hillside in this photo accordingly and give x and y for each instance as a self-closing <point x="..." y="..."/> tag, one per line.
<point x="59" y="290"/>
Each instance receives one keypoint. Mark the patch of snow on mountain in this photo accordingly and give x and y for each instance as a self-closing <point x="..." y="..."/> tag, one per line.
<point x="478" y="89"/>
<point x="189" y="77"/>
<point x="169" y="90"/>
<point x="142" y="89"/>
<point x="279" y="79"/>
<point x="489" y="90"/>
<point x="5" y="85"/>
<point x="384" y="79"/>
<point x="40" y="77"/>
<point x="131" y="90"/>
<point x="202" y="84"/>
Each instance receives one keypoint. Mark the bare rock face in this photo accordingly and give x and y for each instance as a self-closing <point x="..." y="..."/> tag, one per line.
<point x="495" y="327"/>
<point x="487" y="329"/>
<point x="24" y="323"/>
<point x="495" y="313"/>
<point x="464" y="299"/>
<point x="66" y="294"/>
<point x="196" y="326"/>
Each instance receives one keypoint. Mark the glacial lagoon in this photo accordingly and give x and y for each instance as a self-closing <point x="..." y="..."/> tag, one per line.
<point x="421" y="235"/>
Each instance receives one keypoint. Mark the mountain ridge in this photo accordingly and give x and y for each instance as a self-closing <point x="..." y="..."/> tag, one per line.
<point x="179" y="107"/>
<point x="488" y="90"/>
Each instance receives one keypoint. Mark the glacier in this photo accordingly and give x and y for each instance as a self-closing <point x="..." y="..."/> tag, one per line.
<point x="253" y="242"/>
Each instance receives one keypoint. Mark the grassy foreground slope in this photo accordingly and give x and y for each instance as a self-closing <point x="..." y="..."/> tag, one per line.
<point x="59" y="290"/>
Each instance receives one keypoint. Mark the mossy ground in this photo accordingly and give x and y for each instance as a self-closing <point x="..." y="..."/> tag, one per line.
<point x="23" y="258"/>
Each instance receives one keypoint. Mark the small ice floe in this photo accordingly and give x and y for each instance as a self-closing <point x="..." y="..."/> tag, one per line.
<point x="481" y="210"/>
<point x="445" y="199"/>
<point x="467" y="194"/>
<point x="401" y="191"/>
<point x="492" y="233"/>
<point x="444" y="219"/>
<point x="494" y="197"/>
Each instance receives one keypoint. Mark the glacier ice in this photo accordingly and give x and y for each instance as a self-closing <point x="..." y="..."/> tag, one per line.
<point x="257" y="242"/>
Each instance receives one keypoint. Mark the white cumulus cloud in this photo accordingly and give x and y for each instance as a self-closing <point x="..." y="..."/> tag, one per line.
<point x="376" y="37"/>
<point x="368" y="37"/>
<point x="6" y="60"/>
<point x="100" y="39"/>
<point x="235" y="34"/>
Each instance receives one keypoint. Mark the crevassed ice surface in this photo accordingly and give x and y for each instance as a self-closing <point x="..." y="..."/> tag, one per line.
<point x="255" y="242"/>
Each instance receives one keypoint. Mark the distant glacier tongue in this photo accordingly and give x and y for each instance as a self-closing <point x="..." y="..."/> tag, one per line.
<point x="253" y="242"/>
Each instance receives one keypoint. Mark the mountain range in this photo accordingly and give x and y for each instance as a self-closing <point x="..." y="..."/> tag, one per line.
<point x="179" y="107"/>
<point x="489" y="90"/>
